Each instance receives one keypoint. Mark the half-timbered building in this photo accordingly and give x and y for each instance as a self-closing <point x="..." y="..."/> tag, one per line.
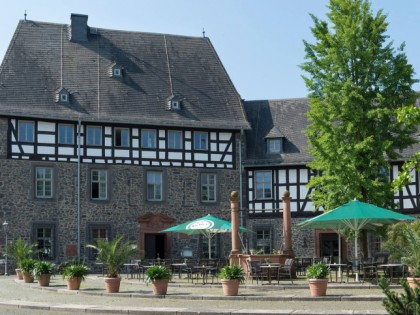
<point x="276" y="160"/>
<point x="108" y="132"/>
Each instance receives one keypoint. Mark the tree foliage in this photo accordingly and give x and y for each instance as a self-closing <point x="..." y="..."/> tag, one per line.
<point x="357" y="82"/>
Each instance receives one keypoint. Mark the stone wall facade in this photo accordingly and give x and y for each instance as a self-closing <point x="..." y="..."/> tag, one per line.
<point x="121" y="212"/>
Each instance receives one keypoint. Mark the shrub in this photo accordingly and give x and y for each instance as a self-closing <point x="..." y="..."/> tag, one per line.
<point x="158" y="272"/>
<point x="42" y="268"/>
<point x="234" y="272"/>
<point x="317" y="271"/>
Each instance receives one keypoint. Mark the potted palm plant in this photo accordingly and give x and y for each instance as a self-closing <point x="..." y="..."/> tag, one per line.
<point x="42" y="272"/>
<point x="231" y="277"/>
<point x="20" y="250"/>
<point x="403" y="242"/>
<point x="113" y="254"/>
<point x="27" y="266"/>
<point x="74" y="273"/>
<point x="158" y="276"/>
<point x="317" y="275"/>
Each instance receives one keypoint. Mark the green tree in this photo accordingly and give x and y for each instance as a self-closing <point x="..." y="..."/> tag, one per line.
<point x="357" y="83"/>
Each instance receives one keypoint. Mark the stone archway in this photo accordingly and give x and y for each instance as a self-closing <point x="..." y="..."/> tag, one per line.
<point x="150" y="226"/>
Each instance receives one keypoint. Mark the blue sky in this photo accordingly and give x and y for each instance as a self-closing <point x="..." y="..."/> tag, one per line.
<point x="258" y="41"/>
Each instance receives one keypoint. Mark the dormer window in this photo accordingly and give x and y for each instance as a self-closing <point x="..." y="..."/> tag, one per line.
<point x="174" y="103"/>
<point x="116" y="71"/>
<point x="274" y="146"/>
<point x="62" y="96"/>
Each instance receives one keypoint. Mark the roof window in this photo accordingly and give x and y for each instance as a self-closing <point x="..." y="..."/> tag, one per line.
<point x="116" y="71"/>
<point x="62" y="96"/>
<point x="173" y="103"/>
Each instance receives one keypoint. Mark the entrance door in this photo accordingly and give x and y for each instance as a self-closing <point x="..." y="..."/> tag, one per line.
<point x="329" y="245"/>
<point x="154" y="245"/>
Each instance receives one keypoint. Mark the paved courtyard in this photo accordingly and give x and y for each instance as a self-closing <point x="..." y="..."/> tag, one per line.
<point x="135" y="297"/>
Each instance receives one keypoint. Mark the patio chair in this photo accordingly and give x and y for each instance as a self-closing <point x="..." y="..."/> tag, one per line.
<point x="370" y="270"/>
<point x="255" y="271"/>
<point x="192" y="271"/>
<point x="286" y="270"/>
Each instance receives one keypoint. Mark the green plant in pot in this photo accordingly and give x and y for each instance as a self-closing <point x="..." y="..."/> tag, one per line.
<point x="27" y="266"/>
<point x="317" y="275"/>
<point x="19" y="250"/>
<point x="74" y="273"/>
<point x="231" y="277"/>
<point x="403" y="242"/>
<point x="158" y="276"/>
<point x="113" y="254"/>
<point x="42" y="272"/>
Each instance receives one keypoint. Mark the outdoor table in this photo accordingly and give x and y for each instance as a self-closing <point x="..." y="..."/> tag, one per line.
<point x="391" y="267"/>
<point x="338" y="271"/>
<point x="129" y="268"/>
<point x="179" y="267"/>
<point x="204" y="271"/>
<point x="270" y="267"/>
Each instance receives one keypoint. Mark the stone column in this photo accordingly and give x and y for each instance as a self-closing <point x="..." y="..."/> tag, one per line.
<point x="287" y="225"/>
<point x="234" y="206"/>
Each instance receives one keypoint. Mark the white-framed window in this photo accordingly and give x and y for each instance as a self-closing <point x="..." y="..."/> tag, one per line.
<point x="44" y="238"/>
<point x="263" y="185"/>
<point x="117" y="72"/>
<point x="176" y="105"/>
<point x="274" y="145"/>
<point x="148" y="138"/>
<point x="174" y="139"/>
<point x="94" y="135"/>
<point x="64" y="98"/>
<point x="263" y="240"/>
<point x="208" y="187"/>
<point x="26" y="131"/>
<point x="154" y="186"/>
<point x="99" y="184"/>
<point x="97" y="232"/>
<point x="200" y="140"/>
<point x="65" y="134"/>
<point x="122" y="137"/>
<point x="43" y="182"/>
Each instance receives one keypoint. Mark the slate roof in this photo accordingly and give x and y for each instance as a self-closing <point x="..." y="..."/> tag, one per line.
<point x="288" y="116"/>
<point x="284" y="118"/>
<point x="41" y="60"/>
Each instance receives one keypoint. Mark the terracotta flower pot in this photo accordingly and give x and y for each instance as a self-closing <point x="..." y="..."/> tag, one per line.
<point x="44" y="280"/>
<point x="318" y="287"/>
<point x="74" y="283"/>
<point x="27" y="277"/>
<point x="160" y="287"/>
<point x="412" y="283"/>
<point x="112" y="285"/>
<point x="19" y="274"/>
<point x="230" y="287"/>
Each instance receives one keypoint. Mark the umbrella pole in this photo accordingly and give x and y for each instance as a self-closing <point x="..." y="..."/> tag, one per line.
<point x="339" y="255"/>
<point x="356" y="258"/>
<point x="209" y="247"/>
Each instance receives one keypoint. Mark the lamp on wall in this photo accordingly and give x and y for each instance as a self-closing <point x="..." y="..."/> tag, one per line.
<point x="5" y="227"/>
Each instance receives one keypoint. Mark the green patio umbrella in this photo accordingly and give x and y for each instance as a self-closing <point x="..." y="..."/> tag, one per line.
<point x="357" y="216"/>
<point x="207" y="226"/>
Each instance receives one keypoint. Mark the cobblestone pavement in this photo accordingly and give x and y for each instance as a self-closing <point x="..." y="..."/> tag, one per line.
<point x="135" y="297"/>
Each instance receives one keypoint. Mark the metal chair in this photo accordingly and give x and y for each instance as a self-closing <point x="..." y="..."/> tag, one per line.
<point x="286" y="270"/>
<point x="255" y="271"/>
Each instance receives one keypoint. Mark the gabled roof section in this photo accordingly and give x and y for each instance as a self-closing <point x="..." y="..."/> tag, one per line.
<point x="274" y="133"/>
<point x="41" y="58"/>
<point x="277" y="119"/>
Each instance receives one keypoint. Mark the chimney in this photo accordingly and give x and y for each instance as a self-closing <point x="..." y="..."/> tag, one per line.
<point x="79" y="28"/>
